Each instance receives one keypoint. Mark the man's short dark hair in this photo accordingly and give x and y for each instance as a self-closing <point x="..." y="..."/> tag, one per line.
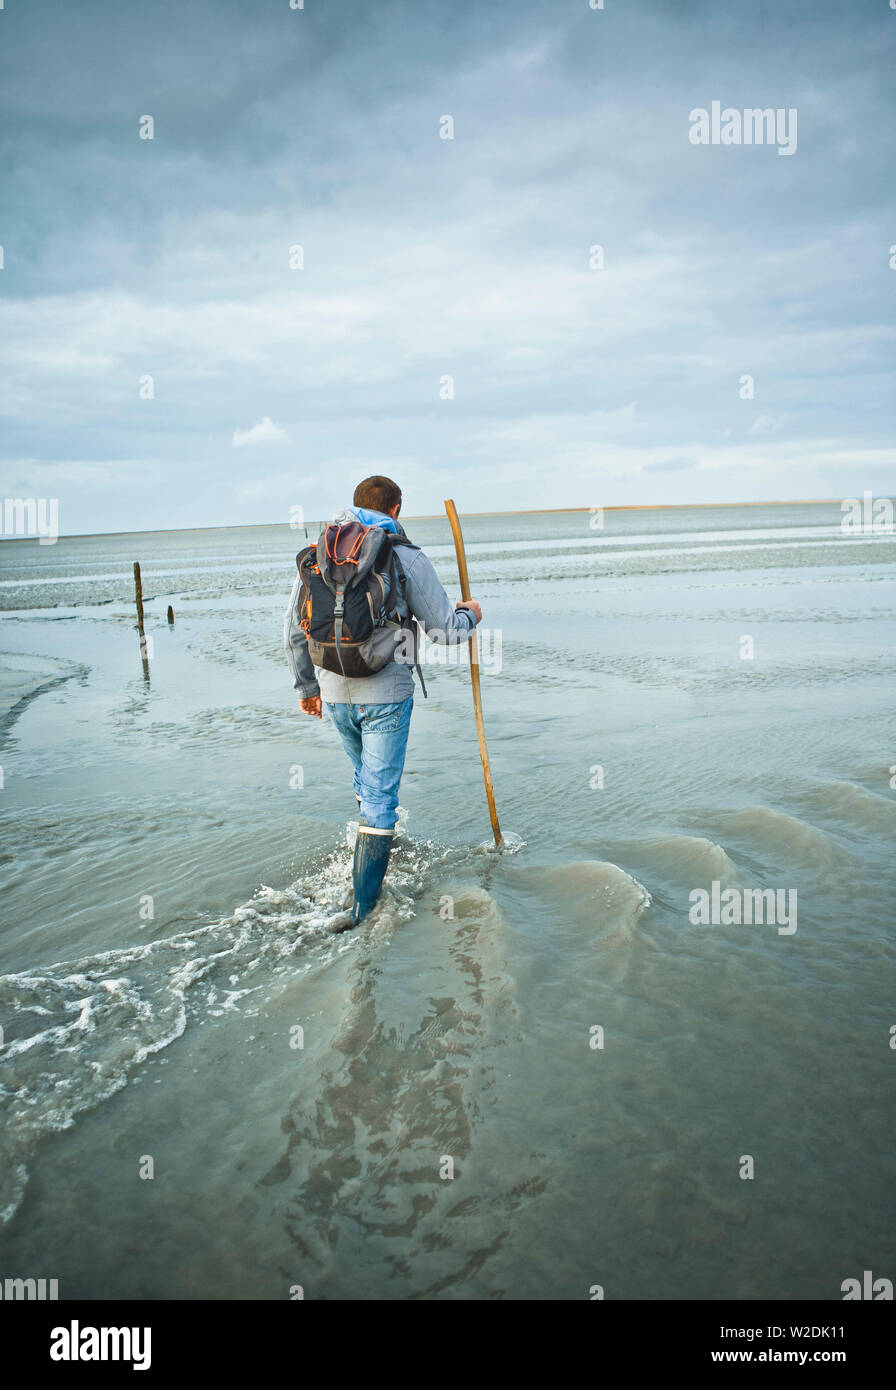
<point x="377" y="493"/>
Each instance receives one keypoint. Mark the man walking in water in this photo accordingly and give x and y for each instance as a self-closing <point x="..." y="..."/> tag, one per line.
<point x="372" y="712"/>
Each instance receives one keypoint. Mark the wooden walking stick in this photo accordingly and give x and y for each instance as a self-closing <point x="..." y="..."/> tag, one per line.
<point x="474" y="672"/>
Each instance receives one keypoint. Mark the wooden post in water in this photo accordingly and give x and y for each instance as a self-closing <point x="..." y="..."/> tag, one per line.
<point x="474" y="673"/>
<point x="170" y="616"/>
<point x="138" y="585"/>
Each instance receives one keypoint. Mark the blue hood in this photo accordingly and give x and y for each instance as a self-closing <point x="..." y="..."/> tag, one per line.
<point x="371" y="518"/>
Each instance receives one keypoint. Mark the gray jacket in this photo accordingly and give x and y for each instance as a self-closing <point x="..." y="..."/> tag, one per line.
<point x="429" y="604"/>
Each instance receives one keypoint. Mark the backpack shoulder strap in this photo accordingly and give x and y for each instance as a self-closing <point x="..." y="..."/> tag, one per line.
<point x="401" y="540"/>
<point x="396" y="542"/>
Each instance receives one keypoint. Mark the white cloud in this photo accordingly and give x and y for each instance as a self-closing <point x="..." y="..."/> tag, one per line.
<point x="265" y="432"/>
<point x="767" y="424"/>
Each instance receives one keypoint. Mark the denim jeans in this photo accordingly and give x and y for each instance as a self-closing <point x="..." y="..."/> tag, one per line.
<point x="375" y="737"/>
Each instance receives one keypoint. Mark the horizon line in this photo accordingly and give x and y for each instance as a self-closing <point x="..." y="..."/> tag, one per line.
<point x="440" y="516"/>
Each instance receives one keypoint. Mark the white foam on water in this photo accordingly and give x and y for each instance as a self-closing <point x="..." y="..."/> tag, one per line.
<point x="75" y="1031"/>
<point x="513" y="843"/>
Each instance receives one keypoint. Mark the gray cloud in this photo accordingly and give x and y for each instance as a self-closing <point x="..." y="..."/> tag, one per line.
<point x="425" y="258"/>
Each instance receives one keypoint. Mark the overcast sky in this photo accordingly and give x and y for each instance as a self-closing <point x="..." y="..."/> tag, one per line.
<point x="426" y="258"/>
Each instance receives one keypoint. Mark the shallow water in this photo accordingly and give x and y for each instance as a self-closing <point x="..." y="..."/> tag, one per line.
<point x="165" y="889"/>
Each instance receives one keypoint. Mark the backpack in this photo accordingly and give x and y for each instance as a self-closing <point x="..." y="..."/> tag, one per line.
<point x="352" y="603"/>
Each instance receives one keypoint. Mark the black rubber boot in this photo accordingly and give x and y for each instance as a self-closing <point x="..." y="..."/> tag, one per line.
<point x="372" y="849"/>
